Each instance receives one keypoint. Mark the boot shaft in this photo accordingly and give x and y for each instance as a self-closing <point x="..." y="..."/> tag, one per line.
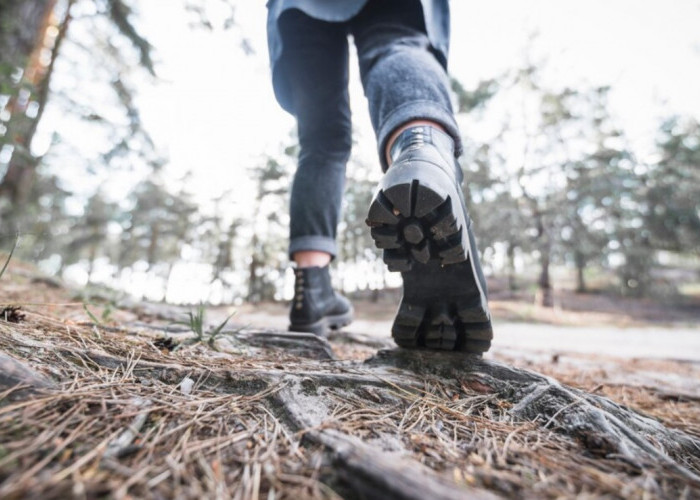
<point x="415" y="139"/>
<point x="313" y="294"/>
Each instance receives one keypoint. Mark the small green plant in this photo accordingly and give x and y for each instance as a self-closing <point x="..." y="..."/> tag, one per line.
<point x="98" y="296"/>
<point x="196" y="324"/>
<point x="196" y="321"/>
<point x="92" y="316"/>
<point x="107" y="312"/>
<point x="9" y="257"/>
<point x="96" y="322"/>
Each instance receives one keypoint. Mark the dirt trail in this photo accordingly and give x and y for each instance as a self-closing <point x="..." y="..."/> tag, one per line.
<point x="654" y="342"/>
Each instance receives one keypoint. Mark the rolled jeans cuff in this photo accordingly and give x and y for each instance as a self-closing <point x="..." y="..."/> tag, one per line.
<point x="417" y="110"/>
<point x="314" y="242"/>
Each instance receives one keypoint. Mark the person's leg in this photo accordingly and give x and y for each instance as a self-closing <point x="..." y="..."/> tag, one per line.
<point x="314" y="66"/>
<point x="418" y="215"/>
<point x="311" y="258"/>
<point x="402" y="78"/>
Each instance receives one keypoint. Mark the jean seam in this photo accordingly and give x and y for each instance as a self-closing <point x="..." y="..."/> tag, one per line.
<point x="313" y="242"/>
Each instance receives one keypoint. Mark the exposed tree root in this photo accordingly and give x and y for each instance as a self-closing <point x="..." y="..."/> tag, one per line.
<point x="275" y="412"/>
<point x="604" y="427"/>
<point x="368" y="471"/>
<point x="21" y="379"/>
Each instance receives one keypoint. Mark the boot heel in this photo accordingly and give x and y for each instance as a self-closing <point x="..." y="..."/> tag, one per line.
<point x="414" y="219"/>
<point x="419" y="219"/>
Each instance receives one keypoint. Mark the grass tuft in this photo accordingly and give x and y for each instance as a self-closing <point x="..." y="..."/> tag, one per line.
<point x="196" y="323"/>
<point x="9" y="257"/>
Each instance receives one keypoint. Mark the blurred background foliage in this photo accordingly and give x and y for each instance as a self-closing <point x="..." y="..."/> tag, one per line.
<point x="558" y="195"/>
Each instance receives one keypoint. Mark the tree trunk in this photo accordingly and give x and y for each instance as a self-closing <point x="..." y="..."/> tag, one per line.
<point x="253" y="278"/>
<point x="544" y="282"/>
<point x="168" y="277"/>
<point x="580" y="268"/>
<point x="92" y="255"/>
<point x="19" y="178"/>
<point x="153" y="245"/>
<point x="224" y="255"/>
<point x="544" y="246"/>
<point x="510" y="254"/>
<point x="22" y="20"/>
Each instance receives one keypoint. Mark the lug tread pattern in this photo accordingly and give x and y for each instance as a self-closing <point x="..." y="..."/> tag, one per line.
<point x="442" y="327"/>
<point x="419" y="232"/>
<point x="413" y="223"/>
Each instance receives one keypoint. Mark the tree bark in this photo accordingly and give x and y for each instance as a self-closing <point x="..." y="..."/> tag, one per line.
<point x="17" y="375"/>
<point x="580" y="268"/>
<point x="20" y="176"/>
<point x="22" y="20"/>
<point x="510" y="254"/>
<point x="544" y="282"/>
<point x="544" y="246"/>
<point x="253" y="278"/>
<point x="153" y="241"/>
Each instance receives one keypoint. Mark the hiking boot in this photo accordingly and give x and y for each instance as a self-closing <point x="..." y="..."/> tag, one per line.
<point x="316" y="307"/>
<point x="419" y="218"/>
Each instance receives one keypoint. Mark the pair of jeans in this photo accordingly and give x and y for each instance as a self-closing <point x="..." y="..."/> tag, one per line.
<point x="403" y="80"/>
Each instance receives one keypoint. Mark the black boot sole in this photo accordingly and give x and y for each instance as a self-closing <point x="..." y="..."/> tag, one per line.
<point x="324" y="324"/>
<point x="419" y="219"/>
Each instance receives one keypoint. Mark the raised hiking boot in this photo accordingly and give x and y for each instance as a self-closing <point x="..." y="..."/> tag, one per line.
<point x="419" y="218"/>
<point x="316" y="307"/>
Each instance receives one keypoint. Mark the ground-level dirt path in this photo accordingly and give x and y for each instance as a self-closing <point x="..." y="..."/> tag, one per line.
<point x="653" y="342"/>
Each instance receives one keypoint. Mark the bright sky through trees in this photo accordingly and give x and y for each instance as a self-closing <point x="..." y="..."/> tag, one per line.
<point x="214" y="113"/>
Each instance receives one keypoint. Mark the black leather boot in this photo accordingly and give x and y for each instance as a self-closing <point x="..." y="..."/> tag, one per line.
<point x="419" y="218"/>
<point x="316" y="307"/>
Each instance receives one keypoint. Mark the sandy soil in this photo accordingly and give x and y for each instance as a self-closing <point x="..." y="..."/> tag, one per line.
<point x="643" y="340"/>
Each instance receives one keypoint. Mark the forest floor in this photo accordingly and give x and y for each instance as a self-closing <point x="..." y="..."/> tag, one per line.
<point x="125" y="402"/>
<point x="588" y="323"/>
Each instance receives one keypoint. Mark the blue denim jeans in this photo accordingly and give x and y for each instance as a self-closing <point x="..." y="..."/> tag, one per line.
<point x="403" y="80"/>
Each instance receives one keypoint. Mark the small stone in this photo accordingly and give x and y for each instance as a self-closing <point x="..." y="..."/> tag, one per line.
<point x="186" y="386"/>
